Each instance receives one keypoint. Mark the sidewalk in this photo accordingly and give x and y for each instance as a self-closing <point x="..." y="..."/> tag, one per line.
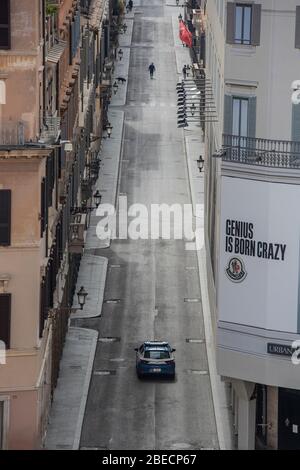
<point x="70" y="396"/>
<point x="194" y="147"/>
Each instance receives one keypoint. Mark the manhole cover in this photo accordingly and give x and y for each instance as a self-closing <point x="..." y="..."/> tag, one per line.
<point x="105" y="372"/>
<point x="194" y="340"/>
<point x="192" y="300"/>
<point x="109" y="339"/>
<point x="112" y="301"/>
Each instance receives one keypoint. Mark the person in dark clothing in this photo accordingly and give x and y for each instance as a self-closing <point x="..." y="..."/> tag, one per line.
<point x="130" y="5"/>
<point x="184" y="71"/>
<point x="151" y="69"/>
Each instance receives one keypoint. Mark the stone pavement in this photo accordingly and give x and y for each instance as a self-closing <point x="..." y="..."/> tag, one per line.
<point x="69" y="402"/>
<point x="194" y="147"/>
<point x="65" y="420"/>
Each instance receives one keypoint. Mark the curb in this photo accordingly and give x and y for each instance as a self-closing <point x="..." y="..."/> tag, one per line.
<point x="201" y="259"/>
<point x="87" y="381"/>
<point x="101" y="294"/>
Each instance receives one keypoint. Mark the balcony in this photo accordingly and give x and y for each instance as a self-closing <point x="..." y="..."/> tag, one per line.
<point x="261" y="152"/>
<point x="78" y="228"/>
<point x="51" y="130"/>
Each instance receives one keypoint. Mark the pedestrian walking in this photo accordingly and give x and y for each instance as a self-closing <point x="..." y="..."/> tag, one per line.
<point x="151" y="69"/>
<point x="130" y="5"/>
<point x="184" y="70"/>
<point x="177" y="2"/>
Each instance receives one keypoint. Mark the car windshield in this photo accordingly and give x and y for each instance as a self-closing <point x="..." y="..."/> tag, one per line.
<point x="156" y="354"/>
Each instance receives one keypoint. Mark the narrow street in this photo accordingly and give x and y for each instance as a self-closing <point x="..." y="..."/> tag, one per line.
<point x="153" y="285"/>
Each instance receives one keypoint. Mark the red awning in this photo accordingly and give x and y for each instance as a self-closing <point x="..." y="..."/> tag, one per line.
<point x="184" y="34"/>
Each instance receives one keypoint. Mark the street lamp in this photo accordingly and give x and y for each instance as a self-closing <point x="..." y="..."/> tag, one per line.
<point x="115" y="87"/>
<point x="109" y="128"/>
<point x="97" y="198"/>
<point x="82" y="294"/>
<point x="120" y="54"/>
<point x="200" y="163"/>
<point x="193" y="109"/>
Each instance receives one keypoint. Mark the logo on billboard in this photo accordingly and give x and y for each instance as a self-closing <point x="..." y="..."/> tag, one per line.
<point x="236" y="270"/>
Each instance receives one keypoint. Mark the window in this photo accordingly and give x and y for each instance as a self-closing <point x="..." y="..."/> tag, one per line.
<point x="243" y="23"/>
<point x="1" y="423"/>
<point x="240" y="117"/>
<point x="4" y="410"/>
<point x="5" y="217"/>
<point x="243" y="18"/>
<point x="156" y="354"/>
<point x="5" y="24"/>
<point x="2" y="92"/>
<point x="5" y="312"/>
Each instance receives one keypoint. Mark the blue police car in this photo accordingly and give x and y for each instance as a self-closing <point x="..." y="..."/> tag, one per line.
<point x="155" y="358"/>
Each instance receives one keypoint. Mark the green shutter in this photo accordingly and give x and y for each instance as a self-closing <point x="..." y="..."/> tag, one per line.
<point x="228" y="114"/>
<point x="5" y="217"/>
<point x="296" y="123"/>
<point x="252" y="117"/>
<point x="230" y="30"/>
<point x="256" y="24"/>
<point x="297" y="33"/>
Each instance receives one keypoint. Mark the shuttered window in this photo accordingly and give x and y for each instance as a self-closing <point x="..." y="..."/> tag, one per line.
<point x="243" y="23"/>
<point x="5" y="24"/>
<point x="240" y="116"/>
<point x="5" y="313"/>
<point x="296" y="123"/>
<point x="297" y="36"/>
<point x="5" y="217"/>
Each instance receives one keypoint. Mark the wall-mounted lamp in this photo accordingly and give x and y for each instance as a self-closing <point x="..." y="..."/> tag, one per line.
<point x="200" y="163"/>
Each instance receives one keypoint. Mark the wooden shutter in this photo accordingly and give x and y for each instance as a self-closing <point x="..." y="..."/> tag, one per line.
<point x="228" y="103"/>
<point x="297" y="35"/>
<point x="43" y="206"/>
<point x="296" y="123"/>
<point x="5" y="313"/>
<point x="256" y="24"/>
<point x="5" y="24"/>
<point x="5" y="217"/>
<point x="230" y="31"/>
<point x="252" y="117"/>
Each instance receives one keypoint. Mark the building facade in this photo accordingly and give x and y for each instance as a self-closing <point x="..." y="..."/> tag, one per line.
<point x="252" y="177"/>
<point x="54" y="93"/>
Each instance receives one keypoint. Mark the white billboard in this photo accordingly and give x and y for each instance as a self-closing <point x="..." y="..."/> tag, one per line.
<point x="258" y="284"/>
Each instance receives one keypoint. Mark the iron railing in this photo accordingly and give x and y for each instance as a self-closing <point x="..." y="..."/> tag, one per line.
<point x="261" y="152"/>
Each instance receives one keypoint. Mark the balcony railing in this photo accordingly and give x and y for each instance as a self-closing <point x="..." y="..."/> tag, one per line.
<point x="261" y="152"/>
<point x="51" y="130"/>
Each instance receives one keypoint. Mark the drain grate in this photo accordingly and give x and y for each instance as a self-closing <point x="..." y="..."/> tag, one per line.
<point x="197" y="372"/>
<point x="109" y="339"/>
<point x="112" y="301"/>
<point x="194" y="340"/>
<point x="75" y="367"/>
<point x="195" y="300"/>
<point x="105" y="372"/>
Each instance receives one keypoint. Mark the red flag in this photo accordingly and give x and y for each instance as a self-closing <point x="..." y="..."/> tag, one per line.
<point x="185" y="35"/>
